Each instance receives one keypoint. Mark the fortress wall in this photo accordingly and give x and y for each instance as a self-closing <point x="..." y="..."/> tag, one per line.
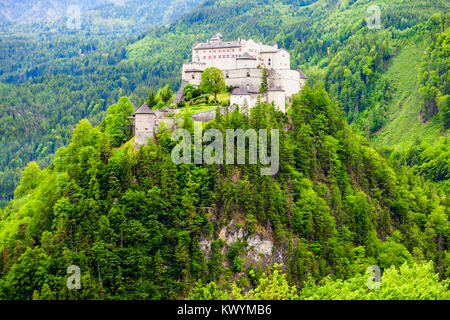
<point x="240" y="100"/>
<point x="192" y="77"/>
<point x="266" y="58"/>
<point x="289" y="80"/>
<point x="193" y="65"/>
<point x="281" y="60"/>
<point x="169" y="123"/>
<point x="204" y="116"/>
<point x="238" y="78"/>
<point x="246" y="63"/>
<point x="278" y="98"/>
<point x="223" y="64"/>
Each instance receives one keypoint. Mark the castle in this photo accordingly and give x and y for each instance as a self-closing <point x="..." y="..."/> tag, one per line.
<point x="242" y="63"/>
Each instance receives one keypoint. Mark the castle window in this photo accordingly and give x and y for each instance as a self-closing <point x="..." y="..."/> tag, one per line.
<point x="193" y="77"/>
<point x="248" y="74"/>
<point x="269" y="61"/>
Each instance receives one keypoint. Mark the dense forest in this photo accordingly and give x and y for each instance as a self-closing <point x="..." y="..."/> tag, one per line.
<point x="41" y="103"/>
<point x="133" y="220"/>
<point x="364" y="167"/>
<point x="47" y="86"/>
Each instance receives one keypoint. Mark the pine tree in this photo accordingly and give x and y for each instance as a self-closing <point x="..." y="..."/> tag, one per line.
<point x="151" y="101"/>
<point x="264" y="83"/>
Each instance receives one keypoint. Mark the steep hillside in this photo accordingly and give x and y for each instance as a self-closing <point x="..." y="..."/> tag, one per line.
<point x="42" y="32"/>
<point x="38" y="105"/>
<point x="404" y="125"/>
<point x="21" y="15"/>
<point x="329" y="39"/>
<point x="141" y="227"/>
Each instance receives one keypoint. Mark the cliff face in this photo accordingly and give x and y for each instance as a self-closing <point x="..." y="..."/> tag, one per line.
<point x="259" y="249"/>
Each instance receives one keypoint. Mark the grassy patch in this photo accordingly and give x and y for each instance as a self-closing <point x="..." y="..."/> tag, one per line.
<point x="197" y="109"/>
<point x="404" y="125"/>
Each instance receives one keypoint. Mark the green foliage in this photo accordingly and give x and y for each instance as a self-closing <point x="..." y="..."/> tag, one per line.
<point x="29" y="180"/>
<point x="444" y="110"/>
<point x="213" y="81"/>
<point x="409" y="282"/>
<point x="132" y="220"/>
<point x="118" y="120"/>
<point x="46" y="89"/>
<point x="166" y="93"/>
<point x="264" y="84"/>
<point x="151" y="101"/>
<point x="434" y="76"/>
<point x="270" y="287"/>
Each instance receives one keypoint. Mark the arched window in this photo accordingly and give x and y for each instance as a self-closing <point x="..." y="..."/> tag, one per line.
<point x="269" y="61"/>
<point x="248" y="74"/>
<point x="193" y="76"/>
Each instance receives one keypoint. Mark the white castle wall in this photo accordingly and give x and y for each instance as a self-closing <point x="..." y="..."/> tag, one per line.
<point x="281" y="60"/>
<point x="245" y="63"/>
<point x="244" y="99"/>
<point x="289" y="80"/>
<point x="242" y="77"/>
<point x="278" y="98"/>
<point x="246" y="73"/>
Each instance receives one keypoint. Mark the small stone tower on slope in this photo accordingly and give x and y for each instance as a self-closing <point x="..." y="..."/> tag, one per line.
<point x="144" y="122"/>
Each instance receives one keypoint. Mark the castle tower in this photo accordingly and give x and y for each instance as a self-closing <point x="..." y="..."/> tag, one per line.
<point x="144" y="123"/>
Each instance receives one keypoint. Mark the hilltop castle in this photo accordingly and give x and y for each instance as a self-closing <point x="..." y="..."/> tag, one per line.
<point x="242" y="63"/>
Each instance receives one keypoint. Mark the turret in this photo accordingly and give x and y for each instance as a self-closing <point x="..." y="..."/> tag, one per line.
<point x="144" y="120"/>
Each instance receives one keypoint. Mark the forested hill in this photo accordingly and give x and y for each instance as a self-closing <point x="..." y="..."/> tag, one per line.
<point x="26" y="15"/>
<point x="40" y="33"/>
<point x="80" y="37"/>
<point x="329" y="39"/>
<point x="141" y="227"/>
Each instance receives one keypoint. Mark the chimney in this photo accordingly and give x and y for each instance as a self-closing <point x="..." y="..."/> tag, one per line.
<point x="275" y="45"/>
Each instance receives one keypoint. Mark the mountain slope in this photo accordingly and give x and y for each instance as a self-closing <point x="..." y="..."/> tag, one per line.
<point x="404" y="108"/>
<point x="141" y="227"/>
<point x="329" y="39"/>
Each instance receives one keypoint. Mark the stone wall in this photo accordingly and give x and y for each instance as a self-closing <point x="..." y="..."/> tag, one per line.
<point x="204" y="116"/>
